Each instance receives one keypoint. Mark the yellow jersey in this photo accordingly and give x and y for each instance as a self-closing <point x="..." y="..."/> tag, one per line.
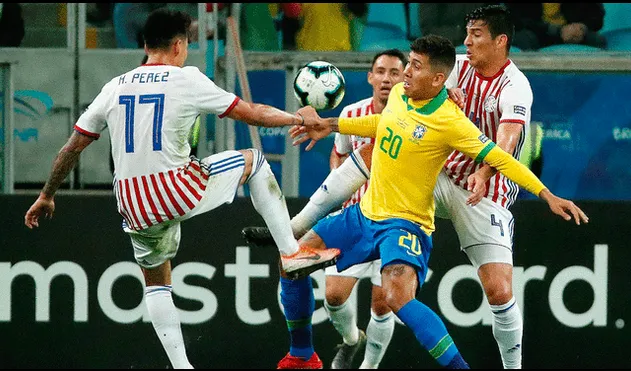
<point x="412" y="142"/>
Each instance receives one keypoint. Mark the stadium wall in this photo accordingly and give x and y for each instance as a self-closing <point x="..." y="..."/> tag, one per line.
<point x="71" y="294"/>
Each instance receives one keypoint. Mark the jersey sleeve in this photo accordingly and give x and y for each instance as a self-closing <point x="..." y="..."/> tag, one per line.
<point x="468" y="139"/>
<point x="342" y="144"/>
<point x="208" y="97"/>
<point x="365" y="126"/>
<point x="452" y="79"/>
<point x="516" y="103"/>
<point x="93" y="120"/>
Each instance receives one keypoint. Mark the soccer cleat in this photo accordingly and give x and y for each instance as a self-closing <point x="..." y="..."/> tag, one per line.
<point x="307" y="261"/>
<point x="258" y="236"/>
<point x="346" y="353"/>
<point x="291" y="362"/>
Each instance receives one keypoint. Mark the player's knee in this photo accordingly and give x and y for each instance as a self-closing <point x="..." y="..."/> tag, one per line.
<point x="334" y="298"/>
<point x="380" y="308"/>
<point x="498" y="293"/>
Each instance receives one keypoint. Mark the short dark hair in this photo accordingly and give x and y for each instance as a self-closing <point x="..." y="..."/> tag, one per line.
<point x="497" y="18"/>
<point x="163" y="25"/>
<point x="439" y="49"/>
<point x="392" y="53"/>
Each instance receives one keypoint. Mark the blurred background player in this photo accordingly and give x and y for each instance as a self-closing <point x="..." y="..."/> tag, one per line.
<point x="150" y="111"/>
<point x="386" y="71"/>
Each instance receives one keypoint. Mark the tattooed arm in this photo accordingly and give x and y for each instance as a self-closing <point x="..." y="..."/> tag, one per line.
<point x="65" y="161"/>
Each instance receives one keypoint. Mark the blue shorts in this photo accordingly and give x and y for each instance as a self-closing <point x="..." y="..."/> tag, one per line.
<point x="360" y="240"/>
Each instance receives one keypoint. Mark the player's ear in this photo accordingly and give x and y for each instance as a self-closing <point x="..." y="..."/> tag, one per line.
<point x="177" y="46"/>
<point x="439" y="79"/>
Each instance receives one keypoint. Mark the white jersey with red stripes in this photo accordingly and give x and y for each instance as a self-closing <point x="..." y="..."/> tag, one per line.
<point x="150" y="112"/>
<point x="490" y="101"/>
<point x="345" y="144"/>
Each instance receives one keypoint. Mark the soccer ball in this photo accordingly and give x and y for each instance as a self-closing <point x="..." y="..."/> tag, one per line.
<point x="320" y="85"/>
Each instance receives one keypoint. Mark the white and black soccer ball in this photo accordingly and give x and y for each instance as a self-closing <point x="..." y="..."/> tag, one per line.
<point x="320" y="85"/>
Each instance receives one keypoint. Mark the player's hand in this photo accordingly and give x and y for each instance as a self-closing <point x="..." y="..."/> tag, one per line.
<point x="310" y="116"/>
<point x="456" y="95"/>
<point x="301" y="134"/>
<point x="476" y="184"/>
<point x="42" y="206"/>
<point x="564" y="208"/>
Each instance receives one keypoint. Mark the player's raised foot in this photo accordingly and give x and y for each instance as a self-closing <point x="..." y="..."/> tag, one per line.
<point x="258" y="236"/>
<point x="346" y="353"/>
<point x="307" y="261"/>
<point x="291" y="362"/>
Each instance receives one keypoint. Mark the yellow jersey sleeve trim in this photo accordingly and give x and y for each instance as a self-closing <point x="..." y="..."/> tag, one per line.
<point x="480" y="157"/>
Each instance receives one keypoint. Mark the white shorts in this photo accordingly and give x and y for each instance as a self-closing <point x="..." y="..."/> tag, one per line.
<point x="485" y="231"/>
<point x="370" y="269"/>
<point x="155" y="245"/>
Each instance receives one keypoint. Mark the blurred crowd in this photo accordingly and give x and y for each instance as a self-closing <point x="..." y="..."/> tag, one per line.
<point x="342" y="26"/>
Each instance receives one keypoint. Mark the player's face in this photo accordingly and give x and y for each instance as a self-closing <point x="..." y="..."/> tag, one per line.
<point x="419" y="80"/>
<point x="386" y="72"/>
<point x="481" y="47"/>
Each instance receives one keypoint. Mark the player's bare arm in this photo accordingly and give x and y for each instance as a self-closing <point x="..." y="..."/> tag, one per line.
<point x="65" y="161"/>
<point x="263" y="115"/>
<point x="508" y="135"/>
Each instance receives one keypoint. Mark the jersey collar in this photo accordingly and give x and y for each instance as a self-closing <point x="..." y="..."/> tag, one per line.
<point x="431" y="106"/>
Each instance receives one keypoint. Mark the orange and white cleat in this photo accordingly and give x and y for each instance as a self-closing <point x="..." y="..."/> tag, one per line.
<point x="307" y="261"/>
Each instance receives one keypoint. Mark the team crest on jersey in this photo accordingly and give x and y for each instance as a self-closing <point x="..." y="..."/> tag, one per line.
<point x="490" y="103"/>
<point x="419" y="132"/>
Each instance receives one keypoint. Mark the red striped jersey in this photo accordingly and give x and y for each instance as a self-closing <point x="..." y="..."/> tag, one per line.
<point x="345" y="144"/>
<point x="150" y="112"/>
<point x="489" y="102"/>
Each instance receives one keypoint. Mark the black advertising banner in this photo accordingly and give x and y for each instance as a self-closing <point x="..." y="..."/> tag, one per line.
<point x="71" y="295"/>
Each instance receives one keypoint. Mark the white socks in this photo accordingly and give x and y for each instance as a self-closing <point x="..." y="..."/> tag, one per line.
<point x="379" y="333"/>
<point x="166" y="322"/>
<point x="338" y="187"/>
<point x="344" y="319"/>
<point x="269" y="202"/>
<point x="508" y="329"/>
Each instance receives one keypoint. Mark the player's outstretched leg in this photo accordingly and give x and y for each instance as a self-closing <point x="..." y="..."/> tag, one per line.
<point x="338" y="187"/>
<point x="269" y="202"/>
<point x="298" y="305"/>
